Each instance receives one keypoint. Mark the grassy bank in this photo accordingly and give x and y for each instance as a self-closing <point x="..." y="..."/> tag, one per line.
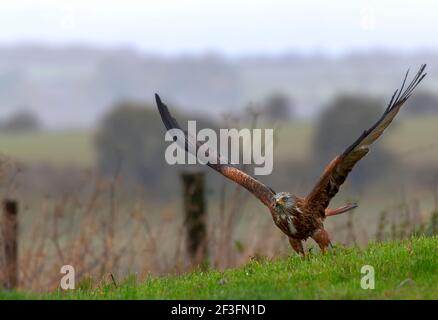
<point x="403" y="270"/>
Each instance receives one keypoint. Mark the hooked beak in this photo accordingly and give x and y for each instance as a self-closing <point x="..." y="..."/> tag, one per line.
<point x="279" y="201"/>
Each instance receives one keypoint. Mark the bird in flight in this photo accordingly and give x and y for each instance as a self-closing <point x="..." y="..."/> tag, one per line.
<point x="303" y="217"/>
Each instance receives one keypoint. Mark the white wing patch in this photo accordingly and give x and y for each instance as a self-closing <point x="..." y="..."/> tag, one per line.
<point x="290" y="225"/>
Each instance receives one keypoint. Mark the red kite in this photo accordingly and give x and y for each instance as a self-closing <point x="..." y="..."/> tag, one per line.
<point x="303" y="217"/>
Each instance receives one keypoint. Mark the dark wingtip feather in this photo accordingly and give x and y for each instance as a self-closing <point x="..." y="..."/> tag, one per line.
<point x="165" y="114"/>
<point x="159" y="103"/>
<point x="162" y="108"/>
<point x="157" y="98"/>
<point x="403" y="84"/>
<point x="404" y="95"/>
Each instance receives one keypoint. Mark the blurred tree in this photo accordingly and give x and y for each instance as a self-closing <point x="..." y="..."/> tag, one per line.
<point x="340" y="124"/>
<point x="423" y="103"/>
<point x="278" y="106"/>
<point x="21" y="121"/>
<point x="130" y="140"/>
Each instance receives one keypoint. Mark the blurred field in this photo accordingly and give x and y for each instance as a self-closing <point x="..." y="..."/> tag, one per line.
<point x="57" y="148"/>
<point x="413" y="138"/>
<point x="415" y="135"/>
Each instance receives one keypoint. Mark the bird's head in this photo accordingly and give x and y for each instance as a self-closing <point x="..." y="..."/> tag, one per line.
<point x="284" y="200"/>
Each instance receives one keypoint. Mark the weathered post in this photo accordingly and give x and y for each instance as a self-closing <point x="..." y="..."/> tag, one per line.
<point x="195" y="217"/>
<point x="10" y="235"/>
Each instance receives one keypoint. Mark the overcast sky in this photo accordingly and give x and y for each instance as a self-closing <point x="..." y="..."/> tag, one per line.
<point x="230" y="27"/>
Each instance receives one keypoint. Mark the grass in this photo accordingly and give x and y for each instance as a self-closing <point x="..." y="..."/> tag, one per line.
<point x="403" y="270"/>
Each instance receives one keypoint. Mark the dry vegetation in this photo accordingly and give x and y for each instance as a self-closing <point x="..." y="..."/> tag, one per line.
<point x="105" y="237"/>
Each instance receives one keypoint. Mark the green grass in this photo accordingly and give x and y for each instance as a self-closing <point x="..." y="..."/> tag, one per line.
<point x="403" y="270"/>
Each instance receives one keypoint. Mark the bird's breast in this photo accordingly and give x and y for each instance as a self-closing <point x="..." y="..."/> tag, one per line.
<point x="286" y="223"/>
<point x="295" y="223"/>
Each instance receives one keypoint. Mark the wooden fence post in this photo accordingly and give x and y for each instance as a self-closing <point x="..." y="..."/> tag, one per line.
<point x="10" y="235"/>
<point x="195" y="217"/>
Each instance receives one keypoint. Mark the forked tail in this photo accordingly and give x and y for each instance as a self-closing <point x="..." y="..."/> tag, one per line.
<point x="333" y="212"/>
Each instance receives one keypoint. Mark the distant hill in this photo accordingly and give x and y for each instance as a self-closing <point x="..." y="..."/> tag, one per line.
<point x="74" y="86"/>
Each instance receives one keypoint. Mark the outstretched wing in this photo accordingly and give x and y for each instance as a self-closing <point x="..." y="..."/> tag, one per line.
<point x="338" y="169"/>
<point x="261" y="191"/>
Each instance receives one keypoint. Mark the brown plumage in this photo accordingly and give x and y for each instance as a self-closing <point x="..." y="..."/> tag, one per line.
<point x="297" y="217"/>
